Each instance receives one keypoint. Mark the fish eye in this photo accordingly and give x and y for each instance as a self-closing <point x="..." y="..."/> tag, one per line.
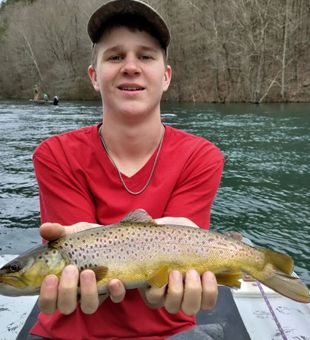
<point x="14" y="267"/>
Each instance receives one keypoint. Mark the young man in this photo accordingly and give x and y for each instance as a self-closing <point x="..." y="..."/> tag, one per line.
<point x="97" y="174"/>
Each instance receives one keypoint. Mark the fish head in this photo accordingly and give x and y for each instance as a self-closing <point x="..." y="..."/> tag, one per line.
<point x="24" y="274"/>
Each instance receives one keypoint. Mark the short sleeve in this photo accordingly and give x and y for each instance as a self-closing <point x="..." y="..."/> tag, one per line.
<point x="64" y="197"/>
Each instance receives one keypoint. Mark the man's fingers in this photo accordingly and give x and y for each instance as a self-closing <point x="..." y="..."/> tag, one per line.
<point x="155" y="297"/>
<point x="67" y="290"/>
<point x="48" y="294"/>
<point x="89" y="292"/>
<point x="192" y="293"/>
<point x="209" y="291"/>
<point x="52" y="231"/>
<point x="176" y="220"/>
<point x="117" y="290"/>
<point x="174" y="296"/>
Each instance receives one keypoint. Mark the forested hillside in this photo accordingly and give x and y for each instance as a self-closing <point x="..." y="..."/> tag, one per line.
<point x="221" y="51"/>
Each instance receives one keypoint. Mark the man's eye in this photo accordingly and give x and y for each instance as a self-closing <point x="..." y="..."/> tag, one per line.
<point x="115" y="58"/>
<point x="147" y="57"/>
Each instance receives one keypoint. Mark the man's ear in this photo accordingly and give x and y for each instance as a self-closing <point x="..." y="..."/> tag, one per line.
<point x="93" y="77"/>
<point x="167" y="78"/>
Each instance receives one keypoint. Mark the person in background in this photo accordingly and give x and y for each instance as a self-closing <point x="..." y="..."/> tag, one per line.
<point x="36" y="93"/>
<point x="130" y="160"/>
<point x="45" y="97"/>
<point x="55" y="100"/>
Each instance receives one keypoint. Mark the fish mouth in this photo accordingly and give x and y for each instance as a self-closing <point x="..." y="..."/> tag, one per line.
<point x="11" y="280"/>
<point x="8" y="290"/>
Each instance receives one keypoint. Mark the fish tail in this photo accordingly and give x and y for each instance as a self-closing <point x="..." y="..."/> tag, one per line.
<point x="276" y="274"/>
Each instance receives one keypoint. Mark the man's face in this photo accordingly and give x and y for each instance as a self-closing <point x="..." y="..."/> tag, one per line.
<point x="130" y="73"/>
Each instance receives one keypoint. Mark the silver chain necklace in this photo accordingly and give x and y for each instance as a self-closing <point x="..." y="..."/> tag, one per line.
<point x="119" y="173"/>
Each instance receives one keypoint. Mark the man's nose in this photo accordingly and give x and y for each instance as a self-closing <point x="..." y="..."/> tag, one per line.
<point x="131" y="66"/>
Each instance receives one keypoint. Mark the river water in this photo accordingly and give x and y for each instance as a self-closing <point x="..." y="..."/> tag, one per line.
<point x="265" y="191"/>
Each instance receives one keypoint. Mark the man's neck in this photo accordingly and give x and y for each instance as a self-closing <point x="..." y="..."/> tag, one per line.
<point x="131" y="145"/>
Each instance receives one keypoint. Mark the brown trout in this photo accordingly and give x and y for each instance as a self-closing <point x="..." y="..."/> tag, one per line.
<point x="140" y="252"/>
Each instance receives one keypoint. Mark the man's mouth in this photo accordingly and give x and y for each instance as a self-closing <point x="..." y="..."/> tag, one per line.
<point x="130" y="88"/>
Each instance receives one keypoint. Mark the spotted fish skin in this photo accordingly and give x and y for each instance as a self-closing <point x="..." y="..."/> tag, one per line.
<point x="139" y="252"/>
<point x="134" y="251"/>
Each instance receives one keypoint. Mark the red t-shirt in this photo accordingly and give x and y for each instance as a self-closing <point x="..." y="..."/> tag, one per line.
<point x="78" y="182"/>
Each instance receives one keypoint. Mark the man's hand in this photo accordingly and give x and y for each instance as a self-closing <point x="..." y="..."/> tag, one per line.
<point x="189" y="295"/>
<point x="61" y="293"/>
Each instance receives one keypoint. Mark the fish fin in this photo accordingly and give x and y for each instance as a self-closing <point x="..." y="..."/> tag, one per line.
<point x="287" y="285"/>
<point x="229" y="279"/>
<point x="159" y="278"/>
<point x="234" y="235"/>
<point x="276" y="274"/>
<point x="282" y="262"/>
<point x="100" y="272"/>
<point x="138" y="215"/>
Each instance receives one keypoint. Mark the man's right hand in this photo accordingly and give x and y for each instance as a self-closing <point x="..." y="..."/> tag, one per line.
<point x="62" y="293"/>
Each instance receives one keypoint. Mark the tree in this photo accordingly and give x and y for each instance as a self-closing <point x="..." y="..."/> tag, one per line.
<point x="221" y="51"/>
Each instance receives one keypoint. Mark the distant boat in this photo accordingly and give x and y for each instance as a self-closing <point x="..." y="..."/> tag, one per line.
<point x="55" y="101"/>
